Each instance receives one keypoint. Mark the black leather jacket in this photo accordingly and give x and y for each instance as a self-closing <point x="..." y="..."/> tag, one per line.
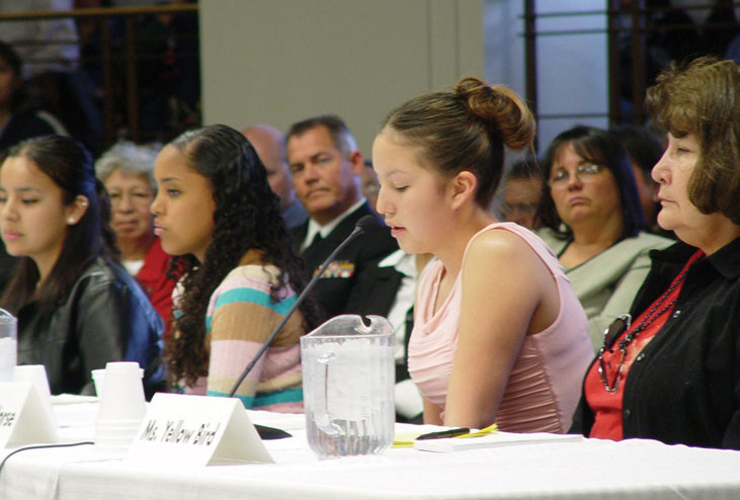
<point x="105" y="317"/>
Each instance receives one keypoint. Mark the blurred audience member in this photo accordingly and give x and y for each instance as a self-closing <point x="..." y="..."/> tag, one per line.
<point x="369" y="185"/>
<point x="94" y="44"/>
<point x="50" y="51"/>
<point x="669" y="370"/>
<point x="598" y="229"/>
<point x="77" y="308"/>
<point x="733" y="50"/>
<point x="499" y="335"/>
<point x="522" y="191"/>
<point x="677" y="30"/>
<point x="644" y="151"/>
<point x="270" y="145"/>
<point x="216" y="212"/>
<point x="660" y="135"/>
<point x="18" y="120"/>
<point x="45" y="45"/>
<point x="127" y="171"/>
<point x="169" y="77"/>
<point x="326" y="167"/>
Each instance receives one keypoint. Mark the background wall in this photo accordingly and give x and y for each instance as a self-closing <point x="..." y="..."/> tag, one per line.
<point x="279" y="61"/>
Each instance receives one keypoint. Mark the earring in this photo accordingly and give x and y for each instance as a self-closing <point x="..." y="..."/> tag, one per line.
<point x="71" y="220"/>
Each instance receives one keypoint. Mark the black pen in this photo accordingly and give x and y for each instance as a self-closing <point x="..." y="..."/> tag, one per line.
<point x="458" y="431"/>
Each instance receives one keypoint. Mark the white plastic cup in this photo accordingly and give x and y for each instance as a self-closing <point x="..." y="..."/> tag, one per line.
<point x="8" y="345"/>
<point x="122" y="405"/>
<point x="123" y="392"/>
<point x="98" y="377"/>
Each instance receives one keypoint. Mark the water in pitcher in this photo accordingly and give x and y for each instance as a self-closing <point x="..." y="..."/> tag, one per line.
<point x="348" y="390"/>
<point x="8" y="350"/>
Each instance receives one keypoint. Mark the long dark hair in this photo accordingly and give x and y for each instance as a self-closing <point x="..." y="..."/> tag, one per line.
<point x="605" y="149"/>
<point x="69" y="165"/>
<point x="247" y="217"/>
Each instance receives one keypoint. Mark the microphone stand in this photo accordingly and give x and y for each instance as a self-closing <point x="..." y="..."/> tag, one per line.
<point x="358" y="230"/>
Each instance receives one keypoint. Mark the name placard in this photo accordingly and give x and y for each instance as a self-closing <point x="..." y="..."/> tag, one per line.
<point x="196" y="431"/>
<point x="24" y="419"/>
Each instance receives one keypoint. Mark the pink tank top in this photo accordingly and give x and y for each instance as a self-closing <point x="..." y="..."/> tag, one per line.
<point x="545" y="383"/>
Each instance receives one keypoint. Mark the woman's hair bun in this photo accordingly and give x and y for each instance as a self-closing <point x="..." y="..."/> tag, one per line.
<point x="501" y="109"/>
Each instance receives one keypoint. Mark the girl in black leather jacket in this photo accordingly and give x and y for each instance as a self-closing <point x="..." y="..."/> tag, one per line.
<point x="77" y="308"/>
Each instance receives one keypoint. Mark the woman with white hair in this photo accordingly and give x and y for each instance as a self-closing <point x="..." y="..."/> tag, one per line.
<point x="127" y="171"/>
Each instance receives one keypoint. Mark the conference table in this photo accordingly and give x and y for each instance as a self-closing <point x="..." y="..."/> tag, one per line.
<point x="574" y="468"/>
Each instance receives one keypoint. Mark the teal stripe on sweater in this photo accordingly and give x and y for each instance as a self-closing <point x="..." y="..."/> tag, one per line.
<point x="294" y="395"/>
<point x="254" y="296"/>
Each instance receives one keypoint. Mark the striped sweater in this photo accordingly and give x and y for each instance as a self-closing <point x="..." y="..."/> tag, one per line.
<point x="240" y="317"/>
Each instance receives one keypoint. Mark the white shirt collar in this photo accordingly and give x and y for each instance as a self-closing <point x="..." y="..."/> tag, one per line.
<point x="325" y="230"/>
<point x="403" y="262"/>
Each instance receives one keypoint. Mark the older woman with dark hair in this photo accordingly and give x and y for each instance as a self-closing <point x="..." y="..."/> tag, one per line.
<point x="597" y="227"/>
<point x="77" y="308"/>
<point x="671" y="369"/>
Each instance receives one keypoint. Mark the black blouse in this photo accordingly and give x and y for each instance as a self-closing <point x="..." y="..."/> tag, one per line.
<point x="684" y="387"/>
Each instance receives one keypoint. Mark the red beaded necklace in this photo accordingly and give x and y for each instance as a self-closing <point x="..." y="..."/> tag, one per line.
<point x="658" y="309"/>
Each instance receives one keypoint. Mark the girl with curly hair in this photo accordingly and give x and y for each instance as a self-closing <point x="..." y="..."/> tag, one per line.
<point x="499" y="335"/>
<point x="215" y="212"/>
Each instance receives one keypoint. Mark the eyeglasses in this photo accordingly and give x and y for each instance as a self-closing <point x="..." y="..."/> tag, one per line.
<point x="611" y="334"/>
<point x="583" y="173"/>
<point x="137" y="198"/>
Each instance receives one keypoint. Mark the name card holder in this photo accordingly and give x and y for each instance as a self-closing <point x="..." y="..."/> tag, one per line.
<point x="185" y="430"/>
<point x="24" y="419"/>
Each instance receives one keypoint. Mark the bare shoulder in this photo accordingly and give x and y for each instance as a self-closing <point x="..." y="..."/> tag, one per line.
<point x="501" y="264"/>
<point x="499" y="247"/>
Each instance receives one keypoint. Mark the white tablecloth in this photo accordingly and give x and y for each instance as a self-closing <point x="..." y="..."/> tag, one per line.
<point x="553" y="470"/>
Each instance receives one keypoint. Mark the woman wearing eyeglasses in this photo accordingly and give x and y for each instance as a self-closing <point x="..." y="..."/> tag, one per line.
<point x="671" y="372"/>
<point x="522" y="191"/>
<point x="597" y="227"/>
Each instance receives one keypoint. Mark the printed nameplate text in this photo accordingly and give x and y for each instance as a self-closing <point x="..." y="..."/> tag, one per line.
<point x="196" y="431"/>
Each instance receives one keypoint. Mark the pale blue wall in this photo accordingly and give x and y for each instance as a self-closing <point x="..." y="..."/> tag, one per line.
<point x="572" y="69"/>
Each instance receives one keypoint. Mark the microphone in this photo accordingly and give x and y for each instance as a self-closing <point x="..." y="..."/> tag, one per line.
<point x="357" y="231"/>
